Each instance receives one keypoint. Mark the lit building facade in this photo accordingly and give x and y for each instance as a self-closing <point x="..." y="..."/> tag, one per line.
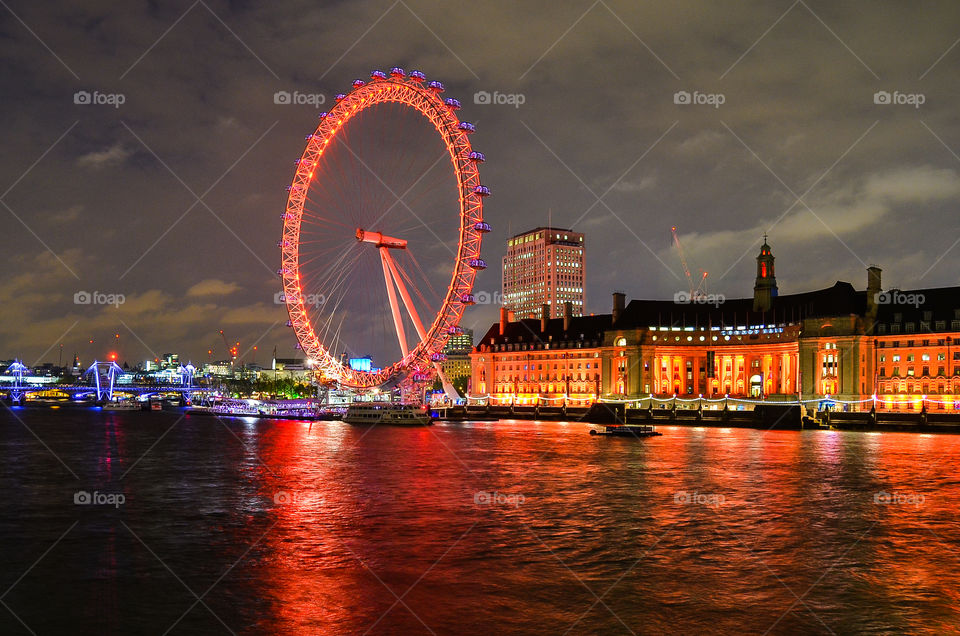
<point x="898" y="350"/>
<point x="544" y="266"/>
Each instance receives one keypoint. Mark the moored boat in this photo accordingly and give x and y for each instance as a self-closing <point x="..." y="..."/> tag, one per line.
<point x="387" y="413"/>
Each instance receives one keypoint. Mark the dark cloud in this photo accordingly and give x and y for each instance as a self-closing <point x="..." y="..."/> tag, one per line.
<point x="171" y="194"/>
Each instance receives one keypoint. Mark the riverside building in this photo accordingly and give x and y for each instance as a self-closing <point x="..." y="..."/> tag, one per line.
<point x="899" y="350"/>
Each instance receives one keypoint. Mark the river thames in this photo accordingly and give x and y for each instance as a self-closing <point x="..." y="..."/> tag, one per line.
<point x="164" y="523"/>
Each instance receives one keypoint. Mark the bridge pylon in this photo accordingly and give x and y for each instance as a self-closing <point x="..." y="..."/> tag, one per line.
<point x="18" y="390"/>
<point x="105" y="375"/>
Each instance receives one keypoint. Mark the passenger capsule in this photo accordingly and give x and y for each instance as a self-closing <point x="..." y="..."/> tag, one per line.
<point x="455" y="330"/>
<point x="396" y="71"/>
<point x="483" y="227"/>
<point x="323" y="115"/>
<point x="452" y="104"/>
<point x="340" y="97"/>
<point x="438" y="357"/>
<point x="436" y="87"/>
<point x="476" y="157"/>
<point x="478" y="263"/>
<point x="467" y="127"/>
<point x="418" y="76"/>
<point x="375" y="75"/>
<point x="468" y="299"/>
<point x="483" y="191"/>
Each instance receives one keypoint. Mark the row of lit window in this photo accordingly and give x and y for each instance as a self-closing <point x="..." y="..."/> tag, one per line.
<point x="924" y="371"/>
<point x="925" y="357"/>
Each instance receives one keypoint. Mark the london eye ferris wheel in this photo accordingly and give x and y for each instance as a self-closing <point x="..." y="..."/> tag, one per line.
<point x="381" y="243"/>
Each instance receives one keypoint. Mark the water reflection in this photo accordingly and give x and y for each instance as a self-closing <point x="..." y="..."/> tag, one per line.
<point x="514" y="527"/>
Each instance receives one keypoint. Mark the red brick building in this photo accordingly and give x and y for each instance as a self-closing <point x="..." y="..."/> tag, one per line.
<point x="835" y="344"/>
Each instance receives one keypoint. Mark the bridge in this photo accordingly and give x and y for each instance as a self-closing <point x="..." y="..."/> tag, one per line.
<point x="102" y="385"/>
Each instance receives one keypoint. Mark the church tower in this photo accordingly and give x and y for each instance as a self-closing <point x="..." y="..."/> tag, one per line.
<point x="765" y="287"/>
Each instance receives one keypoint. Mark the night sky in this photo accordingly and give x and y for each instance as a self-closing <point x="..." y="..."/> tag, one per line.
<point x="173" y="198"/>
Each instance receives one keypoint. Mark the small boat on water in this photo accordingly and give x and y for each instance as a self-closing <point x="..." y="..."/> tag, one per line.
<point x="387" y="413"/>
<point x="627" y="430"/>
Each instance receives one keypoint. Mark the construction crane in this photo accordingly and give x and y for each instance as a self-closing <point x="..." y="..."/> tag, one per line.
<point x="700" y="289"/>
<point x="234" y="350"/>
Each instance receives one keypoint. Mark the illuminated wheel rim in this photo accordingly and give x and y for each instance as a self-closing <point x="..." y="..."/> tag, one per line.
<point x="411" y="92"/>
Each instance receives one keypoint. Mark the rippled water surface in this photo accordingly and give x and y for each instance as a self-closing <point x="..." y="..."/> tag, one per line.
<point x="275" y="527"/>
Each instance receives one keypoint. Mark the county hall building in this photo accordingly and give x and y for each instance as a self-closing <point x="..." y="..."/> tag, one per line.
<point x="899" y="349"/>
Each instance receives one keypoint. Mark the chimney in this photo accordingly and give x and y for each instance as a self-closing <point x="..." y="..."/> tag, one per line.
<point x="873" y="290"/>
<point x="544" y="317"/>
<point x="503" y="320"/>
<point x="511" y="317"/>
<point x="567" y="315"/>
<point x="873" y="278"/>
<point x="619" y="300"/>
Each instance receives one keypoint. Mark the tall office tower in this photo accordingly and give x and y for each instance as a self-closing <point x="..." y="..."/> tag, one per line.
<point x="458" y="350"/>
<point x="544" y="266"/>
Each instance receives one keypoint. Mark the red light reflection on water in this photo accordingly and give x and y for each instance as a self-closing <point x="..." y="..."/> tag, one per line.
<point x="700" y="529"/>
